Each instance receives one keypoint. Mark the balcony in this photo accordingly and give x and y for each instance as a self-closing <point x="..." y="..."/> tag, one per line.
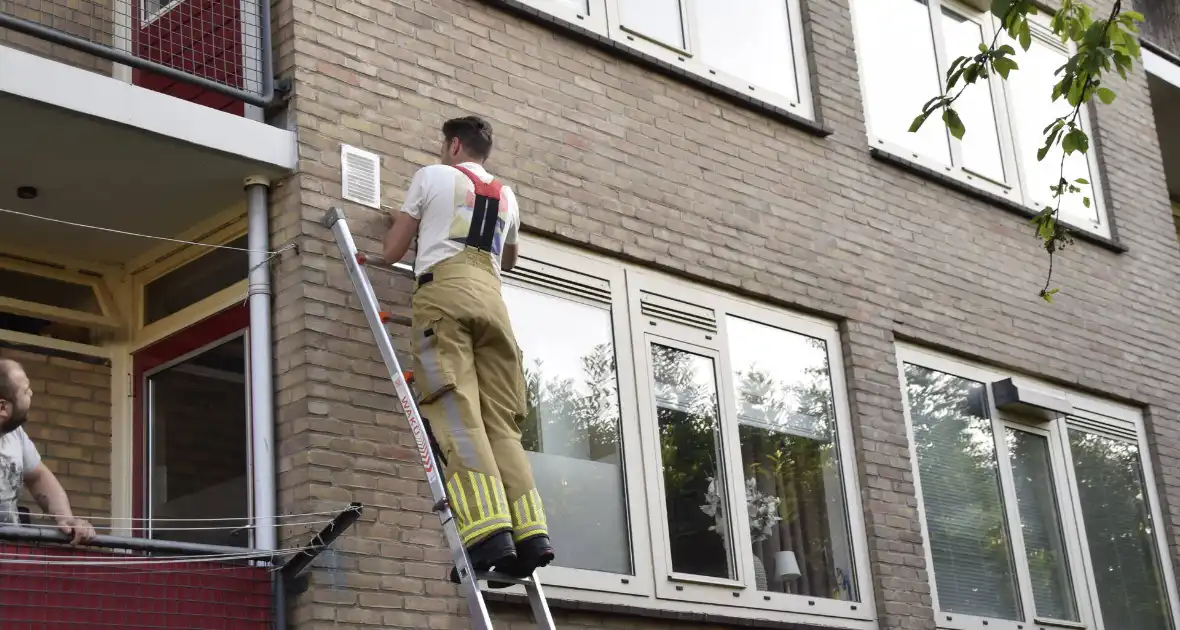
<point x="210" y="52"/>
<point x="118" y="582"/>
<point x="141" y="116"/>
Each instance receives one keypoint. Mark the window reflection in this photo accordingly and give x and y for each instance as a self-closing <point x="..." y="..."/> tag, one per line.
<point x="572" y="427"/>
<point x="763" y="55"/>
<point x="657" y="19"/>
<point x="900" y="73"/>
<point x="1044" y="545"/>
<point x="1120" y="532"/>
<point x="685" y="392"/>
<point x="1032" y="105"/>
<point x="981" y="143"/>
<point x="969" y="540"/>
<point x="794" y="489"/>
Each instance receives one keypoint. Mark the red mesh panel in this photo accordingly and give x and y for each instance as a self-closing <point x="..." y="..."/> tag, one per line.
<point x="192" y="595"/>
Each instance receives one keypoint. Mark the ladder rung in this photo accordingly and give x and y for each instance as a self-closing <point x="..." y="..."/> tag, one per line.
<point x="492" y="576"/>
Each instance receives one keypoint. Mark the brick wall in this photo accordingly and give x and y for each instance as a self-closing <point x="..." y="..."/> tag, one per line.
<point x="612" y="156"/>
<point x="70" y="423"/>
<point x="92" y="20"/>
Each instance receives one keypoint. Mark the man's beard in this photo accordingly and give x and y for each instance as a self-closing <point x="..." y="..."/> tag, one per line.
<point x="18" y="417"/>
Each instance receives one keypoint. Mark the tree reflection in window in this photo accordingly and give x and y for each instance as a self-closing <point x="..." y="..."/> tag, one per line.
<point x="969" y="539"/>
<point x="685" y="392"/>
<point x="794" y="488"/>
<point x="572" y="428"/>
<point x="1120" y="532"/>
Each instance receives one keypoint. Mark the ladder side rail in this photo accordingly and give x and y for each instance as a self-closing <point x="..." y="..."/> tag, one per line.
<point x="364" y="289"/>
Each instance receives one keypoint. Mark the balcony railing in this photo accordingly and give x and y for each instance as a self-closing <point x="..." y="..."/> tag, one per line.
<point x="115" y="583"/>
<point x="215" y="52"/>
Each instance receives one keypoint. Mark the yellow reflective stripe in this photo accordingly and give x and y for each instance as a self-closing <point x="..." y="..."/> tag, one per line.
<point x="529" y="514"/>
<point x="479" y="529"/>
<point x="459" y="499"/>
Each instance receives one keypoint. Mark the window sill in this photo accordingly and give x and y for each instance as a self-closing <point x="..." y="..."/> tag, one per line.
<point x="540" y="17"/>
<point x="652" y="610"/>
<point x="995" y="200"/>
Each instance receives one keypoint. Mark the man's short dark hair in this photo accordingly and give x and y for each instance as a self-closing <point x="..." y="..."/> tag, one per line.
<point x="473" y="132"/>
<point x="8" y="367"/>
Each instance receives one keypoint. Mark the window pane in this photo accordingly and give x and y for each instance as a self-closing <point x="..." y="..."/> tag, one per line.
<point x="690" y="456"/>
<point x="49" y="291"/>
<point x="794" y="489"/>
<point x="1032" y="88"/>
<point x="572" y="429"/>
<point x="1120" y="532"/>
<point x="198" y="444"/>
<point x="953" y="437"/>
<point x="195" y="281"/>
<point x="762" y="55"/>
<point x="981" y="143"/>
<point x="657" y="19"/>
<point x="1044" y="545"/>
<point x="900" y="74"/>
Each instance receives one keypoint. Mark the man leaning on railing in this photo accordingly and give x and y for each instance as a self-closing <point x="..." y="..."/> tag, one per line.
<point x="20" y="463"/>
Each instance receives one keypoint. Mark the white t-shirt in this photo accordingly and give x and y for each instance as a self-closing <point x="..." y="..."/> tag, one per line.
<point x="442" y="199"/>
<point x="18" y="457"/>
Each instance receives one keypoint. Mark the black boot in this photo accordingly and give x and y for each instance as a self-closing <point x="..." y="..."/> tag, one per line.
<point x="494" y="552"/>
<point x="531" y="554"/>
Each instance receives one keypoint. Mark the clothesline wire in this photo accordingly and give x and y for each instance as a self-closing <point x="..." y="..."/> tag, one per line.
<point x="201" y="529"/>
<point x="269" y="253"/>
<point x="121" y="559"/>
<point x="188" y="520"/>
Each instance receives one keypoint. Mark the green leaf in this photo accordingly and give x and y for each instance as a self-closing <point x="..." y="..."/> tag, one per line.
<point x="1004" y="65"/>
<point x="1025" y="36"/>
<point x="1106" y="95"/>
<point x="1048" y="295"/>
<point x="1005" y="50"/>
<point x="1082" y="180"/>
<point x="1075" y="140"/>
<point x="1086" y="201"/>
<point x="954" y="123"/>
<point x="1000" y="7"/>
<point x="917" y="124"/>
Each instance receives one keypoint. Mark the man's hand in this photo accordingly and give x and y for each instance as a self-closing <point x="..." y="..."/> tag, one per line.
<point x="79" y="529"/>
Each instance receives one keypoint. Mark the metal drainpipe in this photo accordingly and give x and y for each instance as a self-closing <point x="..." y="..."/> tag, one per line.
<point x="261" y="376"/>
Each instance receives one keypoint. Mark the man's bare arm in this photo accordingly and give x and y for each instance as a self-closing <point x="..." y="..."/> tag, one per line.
<point x="399" y="237"/>
<point x="508" y="258"/>
<point x="51" y="496"/>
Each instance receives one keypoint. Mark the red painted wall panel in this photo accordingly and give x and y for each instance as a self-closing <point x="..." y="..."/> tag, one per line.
<point x="44" y="589"/>
<point x="199" y="37"/>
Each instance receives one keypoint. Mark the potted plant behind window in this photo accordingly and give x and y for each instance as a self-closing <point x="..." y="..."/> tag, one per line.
<point x="762" y="510"/>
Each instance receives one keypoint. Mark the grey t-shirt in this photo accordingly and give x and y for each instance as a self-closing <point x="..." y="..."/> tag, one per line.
<point x="18" y="457"/>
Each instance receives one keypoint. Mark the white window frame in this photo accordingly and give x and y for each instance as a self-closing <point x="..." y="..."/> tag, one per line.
<point x="1101" y="417"/>
<point x="1014" y="186"/>
<point x="172" y="260"/>
<point x="653" y="586"/>
<point x="603" y="18"/>
<point x="108" y="317"/>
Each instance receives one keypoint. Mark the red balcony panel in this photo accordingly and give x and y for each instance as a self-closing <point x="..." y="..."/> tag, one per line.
<point x="40" y="590"/>
<point x="199" y="37"/>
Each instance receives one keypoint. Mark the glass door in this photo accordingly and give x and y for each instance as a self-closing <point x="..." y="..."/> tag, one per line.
<point x="192" y="469"/>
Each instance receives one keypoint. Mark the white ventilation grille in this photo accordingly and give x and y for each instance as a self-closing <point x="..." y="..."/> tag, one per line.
<point x="360" y="177"/>
<point x="678" y="312"/>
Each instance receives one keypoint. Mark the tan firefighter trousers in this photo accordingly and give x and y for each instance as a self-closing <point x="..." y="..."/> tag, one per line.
<point x="469" y="374"/>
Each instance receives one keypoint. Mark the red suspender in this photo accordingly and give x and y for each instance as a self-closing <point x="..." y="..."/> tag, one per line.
<point x="485" y="212"/>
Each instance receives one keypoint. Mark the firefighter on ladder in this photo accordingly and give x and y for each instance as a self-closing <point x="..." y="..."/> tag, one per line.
<point x="466" y="363"/>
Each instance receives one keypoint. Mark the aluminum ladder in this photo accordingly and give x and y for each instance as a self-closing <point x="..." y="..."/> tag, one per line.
<point x="469" y="580"/>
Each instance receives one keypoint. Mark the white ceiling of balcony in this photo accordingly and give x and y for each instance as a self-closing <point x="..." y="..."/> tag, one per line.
<point x="102" y="173"/>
